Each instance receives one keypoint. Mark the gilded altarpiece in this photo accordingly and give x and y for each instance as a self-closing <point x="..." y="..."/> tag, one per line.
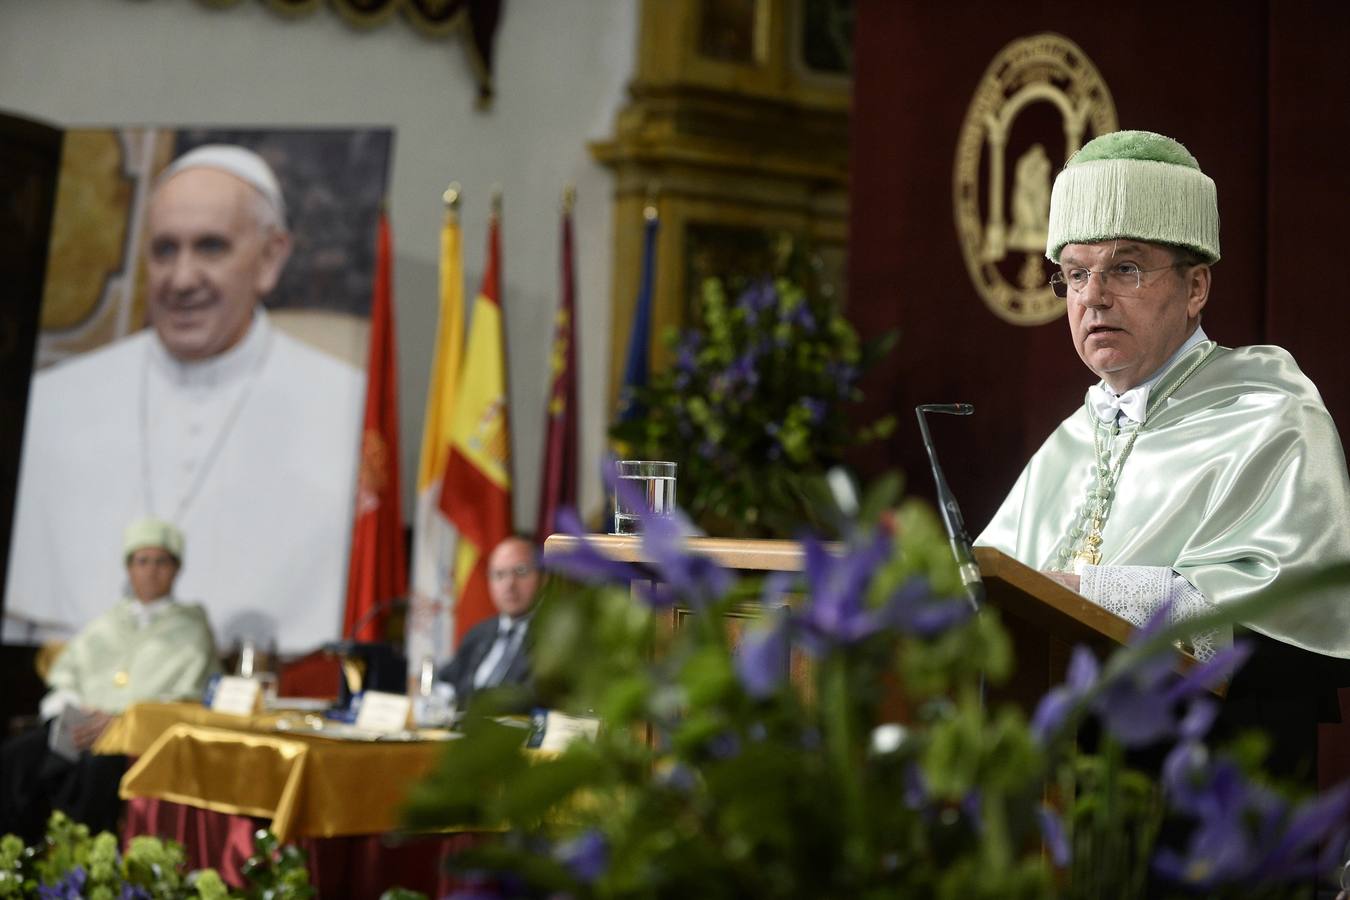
<point x="736" y="131"/>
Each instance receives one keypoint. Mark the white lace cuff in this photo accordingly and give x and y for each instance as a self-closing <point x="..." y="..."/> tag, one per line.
<point x="55" y="701"/>
<point x="1135" y="592"/>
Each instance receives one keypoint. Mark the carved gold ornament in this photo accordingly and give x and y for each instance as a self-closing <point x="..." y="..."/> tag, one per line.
<point x="1038" y="102"/>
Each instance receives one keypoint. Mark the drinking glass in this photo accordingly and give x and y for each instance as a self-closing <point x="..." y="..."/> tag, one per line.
<point x="645" y="487"/>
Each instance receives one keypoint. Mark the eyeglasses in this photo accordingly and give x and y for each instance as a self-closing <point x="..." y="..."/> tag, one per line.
<point x="521" y="571"/>
<point x="1122" y="278"/>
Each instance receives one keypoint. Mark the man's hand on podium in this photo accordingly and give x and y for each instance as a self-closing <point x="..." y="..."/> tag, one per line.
<point x="1068" y="579"/>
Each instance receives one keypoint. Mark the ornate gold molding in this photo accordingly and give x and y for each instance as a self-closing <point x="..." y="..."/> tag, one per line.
<point x="728" y="130"/>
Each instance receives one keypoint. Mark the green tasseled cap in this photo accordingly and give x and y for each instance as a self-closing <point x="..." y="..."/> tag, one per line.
<point x="1134" y="184"/>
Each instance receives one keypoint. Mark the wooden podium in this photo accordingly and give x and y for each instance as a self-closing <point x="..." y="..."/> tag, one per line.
<point x="1044" y="618"/>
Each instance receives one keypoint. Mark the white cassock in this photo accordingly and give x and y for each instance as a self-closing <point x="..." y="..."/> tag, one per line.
<point x="252" y="453"/>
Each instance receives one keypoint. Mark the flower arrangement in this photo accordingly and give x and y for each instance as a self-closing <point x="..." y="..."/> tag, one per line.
<point x="755" y="403"/>
<point x="716" y="774"/>
<point x="72" y="863"/>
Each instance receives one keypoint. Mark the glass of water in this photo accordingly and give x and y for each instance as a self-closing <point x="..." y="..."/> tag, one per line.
<point x="645" y="487"/>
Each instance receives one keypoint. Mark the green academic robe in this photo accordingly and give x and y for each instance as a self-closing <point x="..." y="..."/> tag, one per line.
<point x="112" y="663"/>
<point x="1235" y="481"/>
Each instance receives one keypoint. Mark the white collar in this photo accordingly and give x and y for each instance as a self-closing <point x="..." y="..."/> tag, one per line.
<point x="146" y="612"/>
<point x="1106" y="404"/>
<point x="231" y="366"/>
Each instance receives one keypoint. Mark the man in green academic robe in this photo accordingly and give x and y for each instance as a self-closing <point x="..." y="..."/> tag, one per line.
<point x="1193" y="474"/>
<point x="148" y="646"/>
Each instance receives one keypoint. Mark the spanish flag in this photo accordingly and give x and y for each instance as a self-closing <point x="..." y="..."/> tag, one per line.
<point x="430" y="616"/>
<point x="476" y="493"/>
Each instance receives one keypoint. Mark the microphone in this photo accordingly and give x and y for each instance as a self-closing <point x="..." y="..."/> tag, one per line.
<point x="951" y="512"/>
<point x="375" y="611"/>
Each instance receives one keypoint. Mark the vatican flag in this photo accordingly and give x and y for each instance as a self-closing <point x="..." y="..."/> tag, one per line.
<point x="431" y="611"/>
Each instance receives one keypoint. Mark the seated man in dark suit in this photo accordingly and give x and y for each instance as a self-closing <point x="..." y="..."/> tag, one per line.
<point x="495" y="651"/>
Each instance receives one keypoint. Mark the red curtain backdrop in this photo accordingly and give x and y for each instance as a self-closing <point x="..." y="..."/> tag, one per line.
<point x="1257" y="91"/>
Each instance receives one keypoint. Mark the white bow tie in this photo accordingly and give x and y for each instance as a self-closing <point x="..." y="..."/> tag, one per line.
<point x="1133" y="403"/>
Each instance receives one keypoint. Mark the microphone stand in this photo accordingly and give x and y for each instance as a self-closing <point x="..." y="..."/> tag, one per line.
<point x="951" y="512"/>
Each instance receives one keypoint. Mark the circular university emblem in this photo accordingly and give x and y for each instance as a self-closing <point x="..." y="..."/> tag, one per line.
<point x="1039" y="101"/>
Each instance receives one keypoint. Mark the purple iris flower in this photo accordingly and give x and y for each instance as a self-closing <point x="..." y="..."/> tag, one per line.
<point x="972" y="807"/>
<point x="725" y="745"/>
<point x="677" y="777"/>
<point x="476" y="886"/>
<point x="1245" y="833"/>
<point x="801" y="316"/>
<point x="762" y="657"/>
<point x="1059" y="701"/>
<point x="686" y="355"/>
<point x="71" y="887"/>
<point x="815" y="408"/>
<point x="916" y="787"/>
<point x="1139" y="706"/>
<point x="759" y="296"/>
<point x="585" y="563"/>
<point x="692" y="577"/>
<point x="586" y="856"/>
<point x="1323" y="820"/>
<point x="912" y="609"/>
<point x="134" y="892"/>
<point x="1052" y="832"/>
<point x="838" y="613"/>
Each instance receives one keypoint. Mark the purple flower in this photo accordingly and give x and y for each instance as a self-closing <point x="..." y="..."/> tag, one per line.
<point x="677" y="777"/>
<point x="1059" y="701"/>
<point x="585" y="563"/>
<point x="756" y="298"/>
<point x="762" y="657"/>
<point x="686" y="355"/>
<point x="972" y="806"/>
<point x="916" y="788"/>
<point x="692" y="577"/>
<point x="475" y="886"/>
<point x="1323" y="820"/>
<point x="1245" y="834"/>
<point x="1052" y="832"/>
<point x="1139" y="706"/>
<point x="71" y="887"/>
<point x="724" y="745"/>
<point x="803" y="318"/>
<point x="586" y="856"/>
<point x="838" y="613"/>
<point x="914" y="610"/>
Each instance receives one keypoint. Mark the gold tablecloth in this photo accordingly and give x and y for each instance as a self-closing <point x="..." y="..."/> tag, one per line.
<point x="308" y="786"/>
<point x="132" y="732"/>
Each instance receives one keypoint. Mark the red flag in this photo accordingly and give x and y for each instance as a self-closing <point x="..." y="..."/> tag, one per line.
<point x="377" y="572"/>
<point x="559" y="486"/>
<point x="476" y="492"/>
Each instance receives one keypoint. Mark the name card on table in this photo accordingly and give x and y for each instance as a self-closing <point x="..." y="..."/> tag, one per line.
<point x="383" y="712"/>
<point x="561" y="730"/>
<point x="237" y="696"/>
